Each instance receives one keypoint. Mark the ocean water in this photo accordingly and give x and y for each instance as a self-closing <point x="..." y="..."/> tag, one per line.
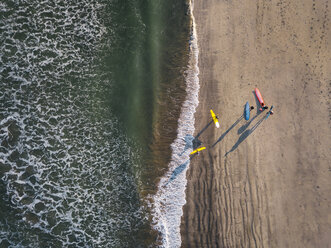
<point x="97" y="98"/>
<point x="170" y="198"/>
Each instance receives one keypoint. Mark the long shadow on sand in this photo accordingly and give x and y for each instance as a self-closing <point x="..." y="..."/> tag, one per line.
<point x="204" y="129"/>
<point x="258" y="112"/>
<point x="245" y="126"/>
<point x="194" y="142"/>
<point x="188" y="143"/>
<point x="227" y="131"/>
<point x="245" y="135"/>
<point x="179" y="169"/>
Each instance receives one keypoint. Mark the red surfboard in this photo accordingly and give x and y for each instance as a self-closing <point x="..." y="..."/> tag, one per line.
<point x="259" y="96"/>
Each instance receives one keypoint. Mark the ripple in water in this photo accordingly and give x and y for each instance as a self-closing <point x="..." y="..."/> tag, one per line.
<point x="66" y="169"/>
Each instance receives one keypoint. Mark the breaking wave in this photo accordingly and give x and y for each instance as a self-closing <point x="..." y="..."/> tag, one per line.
<point x="170" y="198"/>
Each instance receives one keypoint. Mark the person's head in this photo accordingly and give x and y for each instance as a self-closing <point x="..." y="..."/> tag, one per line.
<point x="262" y="104"/>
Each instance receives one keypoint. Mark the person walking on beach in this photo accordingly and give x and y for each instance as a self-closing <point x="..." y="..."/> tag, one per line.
<point x="270" y="112"/>
<point x="263" y="108"/>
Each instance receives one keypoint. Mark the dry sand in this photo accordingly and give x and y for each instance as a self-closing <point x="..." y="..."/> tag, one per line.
<point x="273" y="188"/>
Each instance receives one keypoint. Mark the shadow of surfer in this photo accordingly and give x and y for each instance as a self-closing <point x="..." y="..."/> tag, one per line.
<point x="194" y="142"/>
<point x="179" y="169"/>
<point x="245" y="135"/>
<point x="190" y="142"/>
<point x="229" y="129"/>
<point x="243" y="127"/>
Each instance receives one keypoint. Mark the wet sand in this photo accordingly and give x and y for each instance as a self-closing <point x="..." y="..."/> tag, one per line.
<point x="262" y="183"/>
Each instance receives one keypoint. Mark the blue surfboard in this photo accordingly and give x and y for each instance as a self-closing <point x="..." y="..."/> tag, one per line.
<point x="247" y="111"/>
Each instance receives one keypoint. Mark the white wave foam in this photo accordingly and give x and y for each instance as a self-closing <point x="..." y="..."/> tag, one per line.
<point x="170" y="198"/>
<point x="63" y="171"/>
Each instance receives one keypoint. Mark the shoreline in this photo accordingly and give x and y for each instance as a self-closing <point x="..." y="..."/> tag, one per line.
<point x="272" y="187"/>
<point x="169" y="200"/>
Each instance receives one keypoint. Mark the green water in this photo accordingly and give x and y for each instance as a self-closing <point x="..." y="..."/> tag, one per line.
<point x="147" y="65"/>
<point x="139" y="61"/>
<point x="91" y="92"/>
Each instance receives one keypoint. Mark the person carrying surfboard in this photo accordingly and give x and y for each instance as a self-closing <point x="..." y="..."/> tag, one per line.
<point x="197" y="151"/>
<point x="263" y="107"/>
<point x="270" y="112"/>
<point x="215" y="118"/>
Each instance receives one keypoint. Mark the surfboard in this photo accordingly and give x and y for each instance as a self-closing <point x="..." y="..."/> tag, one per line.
<point x="259" y="96"/>
<point x="269" y="112"/>
<point x="198" y="150"/>
<point x="217" y="124"/>
<point x="247" y="111"/>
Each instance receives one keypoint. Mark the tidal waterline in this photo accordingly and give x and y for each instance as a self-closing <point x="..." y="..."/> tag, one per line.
<point x="90" y="98"/>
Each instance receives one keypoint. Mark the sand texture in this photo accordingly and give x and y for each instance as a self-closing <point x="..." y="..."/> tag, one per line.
<point x="262" y="183"/>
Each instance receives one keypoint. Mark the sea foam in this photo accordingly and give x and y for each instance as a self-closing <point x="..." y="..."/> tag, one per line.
<point x="65" y="168"/>
<point x="170" y="197"/>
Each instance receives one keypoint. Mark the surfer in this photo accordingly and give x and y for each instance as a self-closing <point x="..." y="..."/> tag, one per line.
<point x="215" y="118"/>
<point x="263" y="108"/>
<point x="270" y="112"/>
<point x="196" y="151"/>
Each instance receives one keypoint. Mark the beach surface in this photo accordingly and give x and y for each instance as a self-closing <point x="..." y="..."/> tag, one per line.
<point x="262" y="183"/>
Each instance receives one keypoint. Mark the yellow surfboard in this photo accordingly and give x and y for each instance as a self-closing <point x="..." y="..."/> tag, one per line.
<point x="217" y="124"/>
<point x="198" y="150"/>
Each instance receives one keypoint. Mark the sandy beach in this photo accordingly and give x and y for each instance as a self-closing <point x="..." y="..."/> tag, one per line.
<point x="262" y="183"/>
